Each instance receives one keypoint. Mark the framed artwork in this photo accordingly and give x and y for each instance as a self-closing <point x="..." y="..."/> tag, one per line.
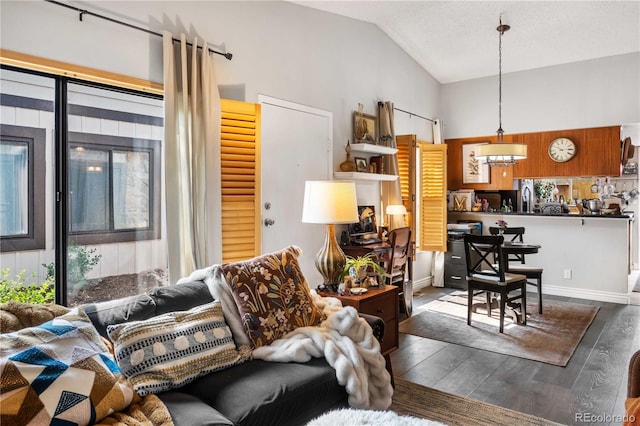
<point x="474" y="170"/>
<point x="361" y="164"/>
<point x="365" y="128"/>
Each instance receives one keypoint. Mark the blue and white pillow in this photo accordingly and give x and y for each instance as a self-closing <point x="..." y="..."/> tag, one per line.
<point x="171" y="350"/>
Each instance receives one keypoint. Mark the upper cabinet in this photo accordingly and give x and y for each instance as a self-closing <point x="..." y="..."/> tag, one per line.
<point x="597" y="153"/>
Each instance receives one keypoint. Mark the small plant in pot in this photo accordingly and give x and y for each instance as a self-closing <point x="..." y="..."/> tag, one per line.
<point x="359" y="265"/>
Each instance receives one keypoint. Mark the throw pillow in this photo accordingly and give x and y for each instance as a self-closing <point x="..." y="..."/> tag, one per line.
<point x="59" y="372"/>
<point x="170" y="350"/>
<point x="272" y="295"/>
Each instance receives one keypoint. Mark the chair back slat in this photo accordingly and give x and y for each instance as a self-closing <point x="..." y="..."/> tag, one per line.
<point x="515" y="234"/>
<point x="399" y="239"/>
<point x="484" y="255"/>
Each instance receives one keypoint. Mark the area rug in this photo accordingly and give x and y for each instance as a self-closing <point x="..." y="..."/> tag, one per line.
<point x="410" y="399"/>
<point x="550" y="338"/>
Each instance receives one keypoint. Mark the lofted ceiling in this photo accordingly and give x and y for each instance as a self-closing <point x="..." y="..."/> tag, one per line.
<point x="458" y="40"/>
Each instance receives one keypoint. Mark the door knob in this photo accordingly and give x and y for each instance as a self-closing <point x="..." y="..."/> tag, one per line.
<point x="269" y="222"/>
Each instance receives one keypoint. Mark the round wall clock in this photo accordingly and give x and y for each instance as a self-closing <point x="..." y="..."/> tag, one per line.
<point x="562" y="149"/>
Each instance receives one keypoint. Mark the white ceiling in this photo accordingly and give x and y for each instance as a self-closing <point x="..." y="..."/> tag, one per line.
<point x="458" y="40"/>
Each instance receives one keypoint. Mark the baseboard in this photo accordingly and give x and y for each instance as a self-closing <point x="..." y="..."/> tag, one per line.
<point x="581" y="293"/>
<point x="422" y="283"/>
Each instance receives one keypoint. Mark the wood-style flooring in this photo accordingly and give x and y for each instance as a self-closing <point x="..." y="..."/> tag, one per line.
<point x="592" y="386"/>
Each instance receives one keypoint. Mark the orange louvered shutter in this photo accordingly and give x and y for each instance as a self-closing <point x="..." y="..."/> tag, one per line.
<point x="433" y="196"/>
<point x="240" y="162"/>
<point x="406" y="145"/>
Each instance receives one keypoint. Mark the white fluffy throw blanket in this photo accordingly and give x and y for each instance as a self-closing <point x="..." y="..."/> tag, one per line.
<point x="347" y="343"/>
<point x="344" y="339"/>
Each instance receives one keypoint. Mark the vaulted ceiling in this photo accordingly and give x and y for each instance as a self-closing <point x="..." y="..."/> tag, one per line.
<point x="458" y="40"/>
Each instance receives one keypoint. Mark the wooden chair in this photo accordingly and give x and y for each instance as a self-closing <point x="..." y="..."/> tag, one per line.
<point x="484" y="274"/>
<point x="516" y="262"/>
<point x="396" y="266"/>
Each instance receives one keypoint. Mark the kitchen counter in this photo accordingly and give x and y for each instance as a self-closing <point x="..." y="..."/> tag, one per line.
<point x="584" y="256"/>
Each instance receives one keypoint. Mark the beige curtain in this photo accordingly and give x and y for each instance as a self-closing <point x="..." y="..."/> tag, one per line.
<point x="192" y="158"/>
<point x="390" y="192"/>
<point x="437" y="265"/>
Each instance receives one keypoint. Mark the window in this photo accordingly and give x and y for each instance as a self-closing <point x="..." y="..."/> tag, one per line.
<point x="114" y="187"/>
<point x="21" y="183"/>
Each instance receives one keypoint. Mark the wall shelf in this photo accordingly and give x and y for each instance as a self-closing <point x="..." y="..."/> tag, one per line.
<point x="364" y="176"/>
<point x="373" y="149"/>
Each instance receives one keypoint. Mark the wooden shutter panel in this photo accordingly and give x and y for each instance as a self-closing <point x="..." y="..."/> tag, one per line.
<point x="433" y="197"/>
<point x="240" y="162"/>
<point x="406" y="170"/>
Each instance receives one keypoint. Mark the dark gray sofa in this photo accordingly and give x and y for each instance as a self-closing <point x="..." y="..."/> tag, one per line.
<point x="253" y="393"/>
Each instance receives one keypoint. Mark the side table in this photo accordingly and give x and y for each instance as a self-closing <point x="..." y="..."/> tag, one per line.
<point x="383" y="303"/>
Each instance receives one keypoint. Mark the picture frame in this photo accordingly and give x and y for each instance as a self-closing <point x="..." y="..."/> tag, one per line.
<point x="474" y="170"/>
<point x="361" y="164"/>
<point x="365" y="128"/>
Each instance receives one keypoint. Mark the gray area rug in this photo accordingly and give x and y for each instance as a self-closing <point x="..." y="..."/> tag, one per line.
<point x="550" y="338"/>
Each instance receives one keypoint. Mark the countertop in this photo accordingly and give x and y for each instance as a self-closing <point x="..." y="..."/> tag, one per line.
<point x="624" y="215"/>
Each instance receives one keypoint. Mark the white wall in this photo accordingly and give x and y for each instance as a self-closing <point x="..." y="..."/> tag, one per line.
<point x="280" y="49"/>
<point x="595" y="93"/>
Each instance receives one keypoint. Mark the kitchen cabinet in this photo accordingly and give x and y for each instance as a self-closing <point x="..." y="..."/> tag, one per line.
<point x="597" y="154"/>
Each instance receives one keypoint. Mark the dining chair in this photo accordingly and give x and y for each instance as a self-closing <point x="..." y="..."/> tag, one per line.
<point x="486" y="273"/>
<point x="516" y="261"/>
<point x="396" y="266"/>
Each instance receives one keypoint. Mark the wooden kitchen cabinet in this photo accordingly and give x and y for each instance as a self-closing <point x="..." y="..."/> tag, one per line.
<point x="597" y="154"/>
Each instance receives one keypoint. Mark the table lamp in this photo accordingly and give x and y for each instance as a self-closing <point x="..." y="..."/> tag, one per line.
<point x="394" y="210"/>
<point x="330" y="203"/>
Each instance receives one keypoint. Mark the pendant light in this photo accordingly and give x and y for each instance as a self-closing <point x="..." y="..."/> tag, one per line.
<point x="500" y="153"/>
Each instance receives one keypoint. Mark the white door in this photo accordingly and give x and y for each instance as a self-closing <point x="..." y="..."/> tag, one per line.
<point x="296" y="146"/>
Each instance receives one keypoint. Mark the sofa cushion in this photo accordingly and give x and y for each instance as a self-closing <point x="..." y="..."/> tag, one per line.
<point x="186" y="409"/>
<point x="167" y="351"/>
<point x="271" y="393"/>
<point x="59" y="372"/>
<point x="272" y="295"/>
<point x="132" y="308"/>
<point x="180" y="297"/>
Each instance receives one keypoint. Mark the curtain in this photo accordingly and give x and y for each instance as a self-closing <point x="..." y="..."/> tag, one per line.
<point x="437" y="265"/>
<point x="390" y="193"/>
<point x="192" y="158"/>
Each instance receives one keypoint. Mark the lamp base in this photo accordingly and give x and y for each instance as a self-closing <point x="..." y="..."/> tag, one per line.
<point x="330" y="260"/>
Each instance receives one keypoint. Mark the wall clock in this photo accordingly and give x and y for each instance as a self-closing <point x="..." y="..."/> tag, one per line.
<point x="562" y="149"/>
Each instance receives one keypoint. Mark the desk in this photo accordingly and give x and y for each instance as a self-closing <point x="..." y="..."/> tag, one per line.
<point x="383" y="253"/>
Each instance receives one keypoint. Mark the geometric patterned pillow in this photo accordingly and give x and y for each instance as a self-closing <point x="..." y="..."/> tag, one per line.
<point x="59" y="373"/>
<point x="272" y="295"/>
<point x="171" y="350"/>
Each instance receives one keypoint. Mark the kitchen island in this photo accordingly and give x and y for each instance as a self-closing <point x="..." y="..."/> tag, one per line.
<point x="583" y="256"/>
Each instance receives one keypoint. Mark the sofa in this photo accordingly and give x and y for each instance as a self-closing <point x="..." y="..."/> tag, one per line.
<point x="246" y="391"/>
<point x="632" y="403"/>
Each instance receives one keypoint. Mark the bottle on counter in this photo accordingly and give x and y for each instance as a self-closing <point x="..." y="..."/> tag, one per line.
<point x="509" y="206"/>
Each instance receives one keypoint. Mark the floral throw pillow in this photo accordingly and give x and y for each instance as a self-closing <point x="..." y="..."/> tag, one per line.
<point x="272" y="295"/>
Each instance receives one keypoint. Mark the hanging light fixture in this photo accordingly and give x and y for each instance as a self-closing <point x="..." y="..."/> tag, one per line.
<point x="500" y="153"/>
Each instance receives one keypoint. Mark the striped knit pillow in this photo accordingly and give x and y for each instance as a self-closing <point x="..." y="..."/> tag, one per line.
<point x="170" y="350"/>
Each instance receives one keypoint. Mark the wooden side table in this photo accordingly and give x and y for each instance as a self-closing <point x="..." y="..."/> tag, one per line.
<point x="383" y="303"/>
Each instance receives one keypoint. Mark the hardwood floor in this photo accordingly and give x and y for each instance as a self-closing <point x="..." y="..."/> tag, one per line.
<point x="592" y="386"/>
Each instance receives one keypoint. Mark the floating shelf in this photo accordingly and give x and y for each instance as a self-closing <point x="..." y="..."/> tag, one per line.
<point x="372" y="149"/>
<point x="364" y="176"/>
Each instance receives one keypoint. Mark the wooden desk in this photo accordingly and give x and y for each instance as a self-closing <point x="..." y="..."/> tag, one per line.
<point x="383" y="252"/>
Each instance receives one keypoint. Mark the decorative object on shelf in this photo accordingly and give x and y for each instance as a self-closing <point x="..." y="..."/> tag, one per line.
<point x="544" y="190"/>
<point x="348" y="165"/>
<point x="361" y="164"/>
<point x="378" y="163"/>
<point x="562" y="150"/>
<point x="365" y="127"/>
<point x="330" y="203"/>
<point x="474" y="170"/>
<point x="500" y="153"/>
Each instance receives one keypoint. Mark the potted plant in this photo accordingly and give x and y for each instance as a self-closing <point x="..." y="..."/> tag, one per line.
<point x="359" y="265"/>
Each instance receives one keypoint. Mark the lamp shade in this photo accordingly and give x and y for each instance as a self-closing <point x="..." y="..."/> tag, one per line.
<point x="330" y="202"/>
<point x="394" y="209"/>
<point x="501" y="153"/>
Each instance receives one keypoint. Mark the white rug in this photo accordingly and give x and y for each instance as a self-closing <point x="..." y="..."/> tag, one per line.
<point x="353" y="417"/>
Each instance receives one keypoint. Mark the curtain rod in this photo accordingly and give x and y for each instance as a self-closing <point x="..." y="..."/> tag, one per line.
<point x="83" y="12"/>
<point x="410" y="113"/>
